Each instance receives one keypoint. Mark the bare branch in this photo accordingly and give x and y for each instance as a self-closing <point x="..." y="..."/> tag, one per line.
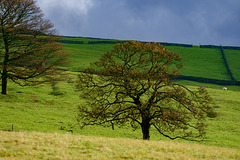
<point x="131" y="85"/>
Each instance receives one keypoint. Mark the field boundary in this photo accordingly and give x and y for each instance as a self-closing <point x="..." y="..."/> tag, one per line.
<point x="103" y="40"/>
<point x="224" y="47"/>
<point x="208" y="80"/>
<point x="70" y="42"/>
<point x="226" y="63"/>
<point x="233" y="81"/>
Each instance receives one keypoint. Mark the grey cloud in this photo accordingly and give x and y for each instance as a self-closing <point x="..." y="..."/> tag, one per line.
<point x="182" y="21"/>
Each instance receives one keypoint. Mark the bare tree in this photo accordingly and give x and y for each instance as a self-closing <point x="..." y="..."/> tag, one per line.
<point x="29" y="53"/>
<point x="131" y="85"/>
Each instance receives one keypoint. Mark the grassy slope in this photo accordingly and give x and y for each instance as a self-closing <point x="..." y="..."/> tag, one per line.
<point x="65" y="146"/>
<point x="36" y="109"/>
<point x="233" y="58"/>
<point x="84" y="54"/>
<point x="202" y="62"/>
<point x="199" y="62"/>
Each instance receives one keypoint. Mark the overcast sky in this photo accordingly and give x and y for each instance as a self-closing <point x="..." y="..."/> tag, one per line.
<point x="177" y="21"/>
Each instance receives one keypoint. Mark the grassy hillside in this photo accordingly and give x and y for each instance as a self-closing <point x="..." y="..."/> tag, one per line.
<point x="52" y="110"/>
<point x="81" y="55"/>
<point x="198" y="62"/>
<point x="21" y="145"/>
<point x="44" y="109"/>
<point x="202" y="62"/>
<point x="233" y="59"/>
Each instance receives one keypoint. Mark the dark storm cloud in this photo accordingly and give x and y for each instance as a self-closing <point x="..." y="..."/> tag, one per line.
<point x="182" y="21"/>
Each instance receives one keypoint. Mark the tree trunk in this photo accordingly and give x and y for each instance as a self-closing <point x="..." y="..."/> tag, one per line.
<point x="5" y="64"/>
<point x="4" y="81"/>
<point x="146" y="129"/>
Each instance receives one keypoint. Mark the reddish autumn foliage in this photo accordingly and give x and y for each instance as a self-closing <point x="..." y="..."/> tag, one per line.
<point x="133" y="87"/>
<point x="29" y="53"/>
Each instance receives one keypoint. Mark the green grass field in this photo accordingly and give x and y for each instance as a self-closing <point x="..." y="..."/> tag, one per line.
<point x="233" y="59"/>
<point x="43" y="117"/>
<point x="38" y="109"/>
<point x="81" y="55"/>
<point x="198" y="62"/>
<point x="202" y="62"/>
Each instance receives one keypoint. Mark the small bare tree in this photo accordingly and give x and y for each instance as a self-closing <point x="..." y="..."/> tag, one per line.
<point x="29" y="53"/>
<point x="131" y="85"/>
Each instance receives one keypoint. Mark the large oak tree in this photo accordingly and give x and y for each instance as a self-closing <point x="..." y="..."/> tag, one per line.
<point x="29" y="53"/>
<point x="131" y="85"/>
